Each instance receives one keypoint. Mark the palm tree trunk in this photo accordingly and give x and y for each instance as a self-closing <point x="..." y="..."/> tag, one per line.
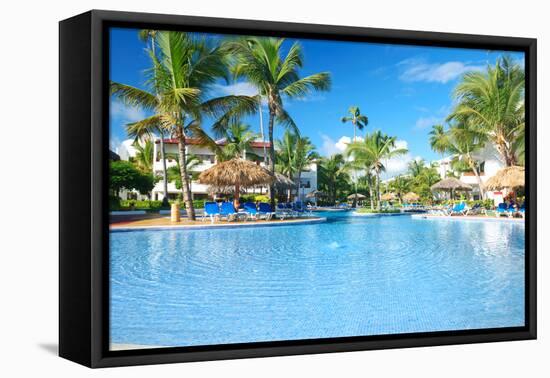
<point x="164" y="171"/>
<point x="378" y="195"/>
<point x="271" y="157"/>
<point x="185" y="184"/>
<point x="371" y="196"/>
<point x="479" y="183"/>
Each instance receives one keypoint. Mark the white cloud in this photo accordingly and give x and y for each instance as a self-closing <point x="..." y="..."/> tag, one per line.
<point x="331" y="147"/>
<point x="425" y="122"/>
<point x="420" y="70"/>
<point x="398" y="164"/>
<point x="125" y="114"/>
<point x="237" y="89"/>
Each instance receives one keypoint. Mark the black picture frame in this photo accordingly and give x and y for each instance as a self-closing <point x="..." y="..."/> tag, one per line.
<point x="83" y="157"/>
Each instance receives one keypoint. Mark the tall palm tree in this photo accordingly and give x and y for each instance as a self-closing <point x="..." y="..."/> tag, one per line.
<point x="493" y="100"/>
<point x="261" y="62"/>
<point x="372" y="152"/>
<point x="185" y="70"/>
<point x="358" y="120"/>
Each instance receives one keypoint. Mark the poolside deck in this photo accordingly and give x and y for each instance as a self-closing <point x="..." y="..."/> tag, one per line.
<point x="157" y="221"/>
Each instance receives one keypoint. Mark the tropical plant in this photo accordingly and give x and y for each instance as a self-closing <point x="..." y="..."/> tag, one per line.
<point x="400" y="185"/>
<point x="124" y="175"/>
<point x="183" y="73"/>
<point x="261" y="62"/>
<point x="294" y="155"/>
<point x="415" y="167"/>
<point x="493" y="101"/>
<point x="373" y="152"/>
<point x="358" y="120"/>
<point x="144" y="156"/>
<point x="174" y="174"/>
<point x="238" y="143"/>
<point x="333" y="177"/>
<point x="462" y="141"/>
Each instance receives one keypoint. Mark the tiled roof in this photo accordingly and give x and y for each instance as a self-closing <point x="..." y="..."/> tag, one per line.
<point x="195" y="141"/>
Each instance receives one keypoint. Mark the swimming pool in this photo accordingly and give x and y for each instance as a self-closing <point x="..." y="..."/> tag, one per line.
<point x="349" y="276"/>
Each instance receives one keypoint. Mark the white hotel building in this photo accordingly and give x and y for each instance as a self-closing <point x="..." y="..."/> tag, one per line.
<point x="207" y="159"/>
<point x="490" y="163"/>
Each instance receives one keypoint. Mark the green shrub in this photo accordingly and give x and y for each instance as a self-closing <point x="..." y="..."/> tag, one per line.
<point x="140" y="205"/>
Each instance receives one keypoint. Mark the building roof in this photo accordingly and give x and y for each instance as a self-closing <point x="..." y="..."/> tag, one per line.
<point x="221" y="142"/>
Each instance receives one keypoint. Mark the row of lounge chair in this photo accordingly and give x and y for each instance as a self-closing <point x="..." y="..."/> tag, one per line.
<point x="227" y="211"/>
<point x="249" y="211"/>
<point x="462" y="209"/>
<point x="292" y="210"/>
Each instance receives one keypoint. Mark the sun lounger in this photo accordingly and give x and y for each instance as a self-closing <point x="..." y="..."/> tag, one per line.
<point x="459" y="209"/>
<point x="477" y="209"/>
<point x="250" y="210"/>
<point x="211" y="210"/>
<point x="284" y="211"/>
<point x="265" y="211"/>
<point x="502" y="209"/>
<point x="228" y="211"/>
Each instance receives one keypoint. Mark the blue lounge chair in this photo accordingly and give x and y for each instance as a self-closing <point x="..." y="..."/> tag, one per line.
<point x="502" y="209"/>
<point x="250" y="210"/>
<point x="459" y="209"/>
<point x="212" y="210"/>
<point x="228" y="211"/>
<point x="476" y="210"/>
<point x="284" y="210"/>
<point x="265" y="210"/>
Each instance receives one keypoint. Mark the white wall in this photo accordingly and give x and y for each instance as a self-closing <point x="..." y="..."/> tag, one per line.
<point x="28" y="273"/>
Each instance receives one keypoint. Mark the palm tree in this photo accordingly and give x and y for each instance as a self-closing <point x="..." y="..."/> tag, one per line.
<point x="238" y="142"/>
<point x="144" y="156"/>
<point x="333" y="175"/>
<point x="174" y="171"/>
<point x="260" y="61"/>
<point x="493" y="101"/>
<point x="185" y="70"/>
<point x="416" y="166"/>
<point x="465" y="139"/>
<point x="372" y="152"/>
<point x="368" y="180"/>
<point x="439" y="141"/>
<point x="294" y="155"/>
<point x="358" y="120"/>
<point x="400" y="185"/>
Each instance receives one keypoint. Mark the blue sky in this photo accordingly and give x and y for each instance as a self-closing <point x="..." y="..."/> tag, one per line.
<point x="403" y="90"/>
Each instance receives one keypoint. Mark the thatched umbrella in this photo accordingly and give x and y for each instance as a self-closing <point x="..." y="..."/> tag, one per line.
<point x="282" y="182"/>
<point x="238" y="173"/>
<point x="388" y="196"/>
<point x="357" y="196"/>
<point x="509" y="178"/>
<point x="450" y="184"/>
<point x="411" y="197"/>
<point x="315" y="193"/>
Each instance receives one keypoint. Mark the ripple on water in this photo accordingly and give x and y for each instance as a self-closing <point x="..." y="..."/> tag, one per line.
<point x="349" y="276"/>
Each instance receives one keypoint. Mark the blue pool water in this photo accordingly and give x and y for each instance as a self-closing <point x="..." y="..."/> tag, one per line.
<point x="349" y="276"/>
